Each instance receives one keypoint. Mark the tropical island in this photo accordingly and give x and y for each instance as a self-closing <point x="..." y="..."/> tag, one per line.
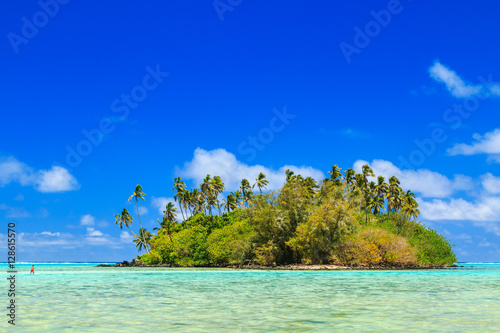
<point x="349" y="219"/>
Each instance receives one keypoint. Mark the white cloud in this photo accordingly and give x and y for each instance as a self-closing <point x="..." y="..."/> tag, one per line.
<point x="219" y="162"/>
<point x="455" y="85"/>
<point x="48" y="233"/>
<point x="125" y="236"/>
<point x="59" y="240"/>
<point x="424" y="182"/>
<point x="87" y="220"/>
<point x="488" y="143"/>
<point x="56" y="179"/>
<point x="161" y="202"/>
<point x="484" y="212"/>
<point x="486" y="209"/>
<point x="91" y="232"/>
<point x="490" y="183"/>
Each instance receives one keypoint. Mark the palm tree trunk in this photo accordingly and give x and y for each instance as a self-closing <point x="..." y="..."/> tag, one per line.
<point x="140" y="224"/>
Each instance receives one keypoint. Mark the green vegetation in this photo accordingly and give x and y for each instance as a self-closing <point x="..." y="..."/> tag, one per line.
<point x="346" y="219"/>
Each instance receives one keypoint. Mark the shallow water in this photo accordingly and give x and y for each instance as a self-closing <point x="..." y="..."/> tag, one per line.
<point x="84" y="298"/>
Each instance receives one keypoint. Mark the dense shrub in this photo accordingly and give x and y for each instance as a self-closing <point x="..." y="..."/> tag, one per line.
<point x="376" y="246"/>
<point x="231" y="244"/>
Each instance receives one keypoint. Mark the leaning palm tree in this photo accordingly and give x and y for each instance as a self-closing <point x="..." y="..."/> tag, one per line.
<point x="247" y="197"/>
<point x="349" y="177"/>
<point x="410" y="206"/>
<point x="367" y="172"/>
<point x="245" y="188"/>
<point x="142" y="240"/>
<point x="170" y="212"/>
<point x="124" y="219"/>
<point x="180" y="187"/>
<point x="376" y="204"/>
<point x="229" y="203"/>
<point x="166" y="225"/>
<point x="261" y="182"/>
<point x="335" y="175"/>
<point x="138" y="195"/>
<point x="238" y="197"/>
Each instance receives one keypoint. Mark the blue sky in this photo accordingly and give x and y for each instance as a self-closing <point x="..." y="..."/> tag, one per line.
<point x="97" y="98"/>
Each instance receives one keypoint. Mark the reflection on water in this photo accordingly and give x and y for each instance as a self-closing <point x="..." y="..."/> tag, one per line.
<point x="86" y="298"/>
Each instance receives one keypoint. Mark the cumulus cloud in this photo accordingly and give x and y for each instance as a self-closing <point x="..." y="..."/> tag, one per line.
<point x="61" y="240"/>
<point x="219" y="162"/>
<point x="484" y="212"/>
<point x="426" y="183"/>
<point x="87" y="220"/>
<point x="455" y="85"/>
<point x="56" y="179"/>
<point x="485" y="209"/>
<point x="488" y="143"/>
<point x="91" y="232"/>
<point x="125" y="236"/>
<point x="48" y="233"/>
<point x="490" y="183"/>
<point x="160" y="203"/>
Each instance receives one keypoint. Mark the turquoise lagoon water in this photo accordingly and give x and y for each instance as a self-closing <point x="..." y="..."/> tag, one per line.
<point x="84" y="298"/>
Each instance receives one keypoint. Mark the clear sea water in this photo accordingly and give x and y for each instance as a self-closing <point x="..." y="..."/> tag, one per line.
<point x="84" y="298"/>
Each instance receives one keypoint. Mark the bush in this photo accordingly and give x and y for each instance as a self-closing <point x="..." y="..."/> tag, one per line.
<point x="231" y="244"/>
<point x="376" y="246"/>
<point x="152" y="258"/>
<point x="327" y="224"/>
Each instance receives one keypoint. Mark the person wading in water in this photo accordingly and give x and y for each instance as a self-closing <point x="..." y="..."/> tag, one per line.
<point x="32" y="270"/>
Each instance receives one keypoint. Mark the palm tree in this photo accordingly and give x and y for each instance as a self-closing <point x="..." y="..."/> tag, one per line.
<point x="138" y="195"/>
<point x="237" y="197"/>
<point x="124" y="219"/>
<point x="311" y="186"/>
<point x="246" y="191"/>
<point x="381" y="187"/>
<point x="393" y="195"/>
<point x="349" y="177"/>
<point x="261" y="182"/>
<point x="170" y="212"/>
<point x="289" y="175"/>
<point x="229" y="203"/>
<point x="142" y="240"/>
<point x="180" y="187"/>
<point x="410" y="206"/>
<point x="376" y="204"/>
<point x="367" y="172"/>
<point x="335" y="175"/>
<point x="197" y="201"/>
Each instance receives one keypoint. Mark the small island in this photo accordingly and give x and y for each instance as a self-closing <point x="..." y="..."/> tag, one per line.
<point x="348" y="220"/>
